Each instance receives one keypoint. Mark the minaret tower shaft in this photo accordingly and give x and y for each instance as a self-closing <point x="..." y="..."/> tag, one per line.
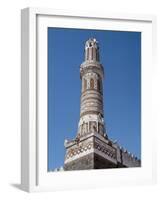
<point x="91" y="109"/>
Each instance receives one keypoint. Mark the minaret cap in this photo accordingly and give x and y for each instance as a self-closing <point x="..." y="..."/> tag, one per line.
<point x="92" y="42"/>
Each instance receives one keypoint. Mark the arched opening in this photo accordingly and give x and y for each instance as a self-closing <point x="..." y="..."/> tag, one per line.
<point x="92" y="83"/>
<point x="88" y="54"/>
<point x="85" y="84"/>
<point x="92" y="51"/>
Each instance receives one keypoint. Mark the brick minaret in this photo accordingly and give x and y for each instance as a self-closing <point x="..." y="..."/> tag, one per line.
<point x="91" y="148"/>
<point x="91" y="73"/>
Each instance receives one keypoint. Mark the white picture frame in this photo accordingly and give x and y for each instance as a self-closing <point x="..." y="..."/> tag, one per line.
<point x="34" y="176"/>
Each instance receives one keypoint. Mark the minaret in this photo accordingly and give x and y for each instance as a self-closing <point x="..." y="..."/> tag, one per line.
<point x="91" y="148"/>
<point x="91" y="73"/>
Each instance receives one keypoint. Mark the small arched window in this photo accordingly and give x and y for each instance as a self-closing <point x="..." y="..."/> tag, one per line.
<point x="85" y="84"/>
<point x="99" y="85"/>
<point x="92" y="50"/>
<point x="88" y="54"/>
<point x="92" y="83"/>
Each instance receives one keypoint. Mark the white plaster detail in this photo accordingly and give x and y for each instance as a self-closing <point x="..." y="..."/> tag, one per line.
<point x="91" y="117"/>
<point x="88" y="83"/>
<point x="95" y="83"/>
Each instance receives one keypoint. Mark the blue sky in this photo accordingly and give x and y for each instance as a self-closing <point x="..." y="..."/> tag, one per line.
<point x="120" y="54"/>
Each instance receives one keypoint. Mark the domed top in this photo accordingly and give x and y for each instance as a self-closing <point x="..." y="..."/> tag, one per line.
<point x="92" y="42"/>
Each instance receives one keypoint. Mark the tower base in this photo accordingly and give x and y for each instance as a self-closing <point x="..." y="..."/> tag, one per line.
<point x="94" y="151"/>
<point x="90" y="161"/>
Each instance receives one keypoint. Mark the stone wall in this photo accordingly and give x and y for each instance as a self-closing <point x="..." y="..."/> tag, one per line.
<point x="93" y="151"/>
<point x="82" y="163"/>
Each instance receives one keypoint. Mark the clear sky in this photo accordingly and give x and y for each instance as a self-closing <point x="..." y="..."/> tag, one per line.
<point x="120" y="54"/>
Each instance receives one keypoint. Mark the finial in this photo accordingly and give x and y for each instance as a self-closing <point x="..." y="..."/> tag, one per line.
<point x="92" y="42"/>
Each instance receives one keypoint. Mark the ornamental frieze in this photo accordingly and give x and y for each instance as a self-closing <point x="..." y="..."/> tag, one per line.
<point x="79" y="149"/>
